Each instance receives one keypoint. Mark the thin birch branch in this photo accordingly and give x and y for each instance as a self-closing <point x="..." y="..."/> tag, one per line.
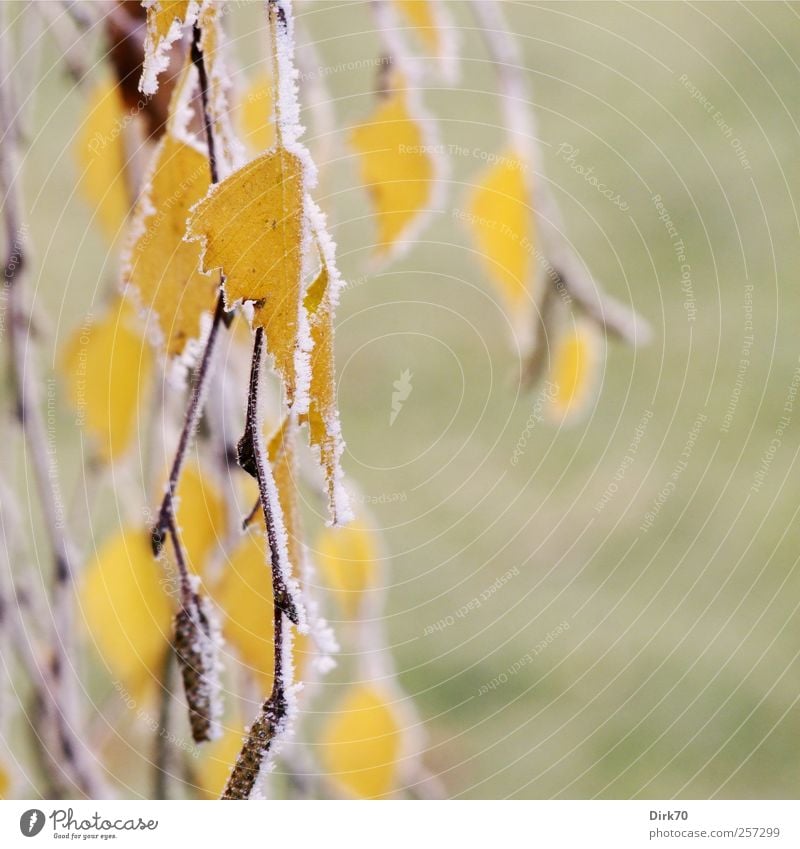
<point x="64" y="758"/>
<point x="197" y="398"/>
<point x="615" y="317"/>
<point x="272" y="719"/>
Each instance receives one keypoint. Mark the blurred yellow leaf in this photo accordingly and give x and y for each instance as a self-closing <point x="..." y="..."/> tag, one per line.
<point x="5" y="782"/>
<point x="218" y="758"/>
<point x="573" y="372"/>
<point x="501" y="224"/>
<point x="162" y="267"/>
<point x="361" y="743"/>
<point x="100" y="154"/>
<point x="253" y="114"/>
<point x="349" y="562"/>
<point x="244" y="593"/>
<point x="324" y="428"/>
<point x="126" y="607"/>
<point x="251" y="226"/>
<point x="107" y="364"/>
<point x="201" y="517"/>
<point x="420" y="16"/>
<point x="165" y="22"/>
<point x="396" y="167"/>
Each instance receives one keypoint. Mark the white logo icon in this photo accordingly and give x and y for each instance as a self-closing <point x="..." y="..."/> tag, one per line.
<point x="402" y="389"/>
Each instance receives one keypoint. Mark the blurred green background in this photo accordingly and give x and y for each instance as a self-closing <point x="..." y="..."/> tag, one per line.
<point x="678" y="674"/>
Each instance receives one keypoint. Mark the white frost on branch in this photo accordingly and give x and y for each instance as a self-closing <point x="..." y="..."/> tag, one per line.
<point x="156" y="47"/>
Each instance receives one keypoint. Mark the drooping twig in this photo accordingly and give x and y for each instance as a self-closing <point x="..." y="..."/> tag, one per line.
<point x="616" y="318"/>
<point x="195" y="642"/>
<point x="253" y="459"/>
<point x="166" y="513"/>
<point x="272" y="719"/>
<point x="194" y="629"/>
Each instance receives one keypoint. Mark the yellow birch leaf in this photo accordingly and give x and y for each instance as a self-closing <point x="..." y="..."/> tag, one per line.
<point x="162" y="267"/>
<point x="244" y="594"/>
<point x="201" y="517"/>
<point x="324" y="427"/>
<point x="5" y="782"/>
<point x="501" y="225"/>
<point x="251" y="226"/>
<point x="100" y="155"/>
<point x="253" y="114"/>
<point x="126" y="606"/>
<point x="304" y="652"/>
<point x="349" y="563"/>
<point x="165" y="22"/>
<point x="396" y="167"/>
<point x="573" y="371"/>
<point x="361" y="743"/>
<point x="107" y="364"/>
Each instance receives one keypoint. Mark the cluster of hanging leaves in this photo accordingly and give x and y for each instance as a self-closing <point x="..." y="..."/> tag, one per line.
<point x="501" y="222"/>
<point x="251" y="234"/>
<point x="221" y="221"/>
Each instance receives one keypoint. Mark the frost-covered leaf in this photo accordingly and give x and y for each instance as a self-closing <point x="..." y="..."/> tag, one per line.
<point x="160" y="265"/>
<point x="397" y="168"/>
<point x="361" y="743"/>
<point x="574" y="369"/>
<point x="165" y="22"/>
<point x="325" y="432"/>
<point x="5" y="782"/>
<point x="252" y="227"/>
<point x="349" y="562"/>
<point x="500" y="222"/>
<point x="253" y="114"/>
<point x="100" y="155"/>
<point x="244" y="594"/>
<point x="126" y="606"/>
<point x="107" y="364"/>
<point x="201" y="517"/>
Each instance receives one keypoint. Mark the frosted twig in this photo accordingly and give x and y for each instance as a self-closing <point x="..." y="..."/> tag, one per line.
<point x="613" y="316"/>
<point x="272" y="719"/>
<point x="195" y="642"/>
<point x="166" y="513"/>
<point x="253" y="459"/>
